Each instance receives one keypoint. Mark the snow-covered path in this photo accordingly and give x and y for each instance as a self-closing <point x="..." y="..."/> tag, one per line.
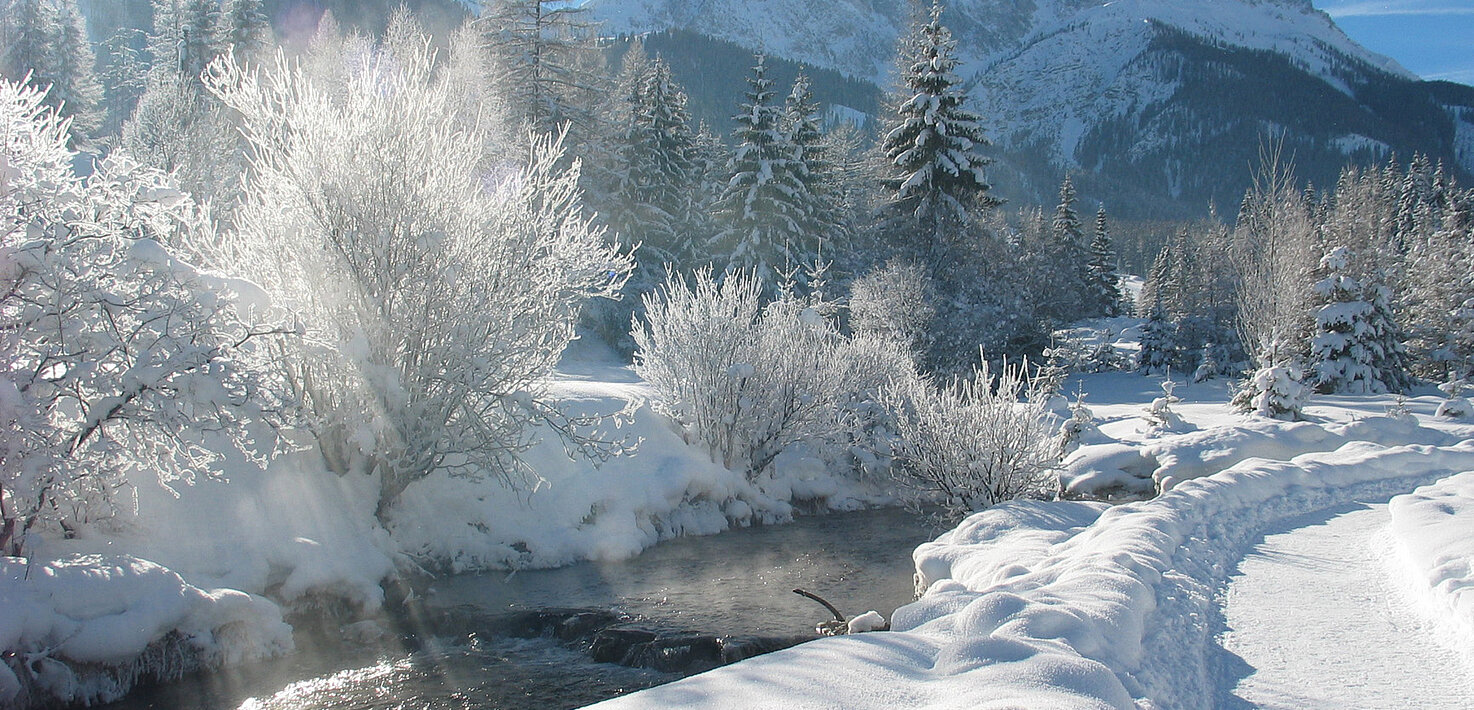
<point x="1315" y="620"/>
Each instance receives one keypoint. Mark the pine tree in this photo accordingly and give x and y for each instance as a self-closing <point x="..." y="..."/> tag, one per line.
<point x="184" y="40"/>
<point x="245" y="29"/>
<point x="1104" y="283"/>
<point x="1070" y="254"/>
<point x="652" y="196"/>
<point x="1343" y="349"/>
<point x="812" y="166"/>
<point x="933" y="171"/>
<point x="47" y="42"/>
<point x="761" y="209"/>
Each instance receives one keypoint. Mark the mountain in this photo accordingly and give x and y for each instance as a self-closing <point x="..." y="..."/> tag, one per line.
<point x="1158" y="107"/>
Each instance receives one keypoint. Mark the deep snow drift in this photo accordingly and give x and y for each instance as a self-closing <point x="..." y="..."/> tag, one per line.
<point x="1080" y="605"/>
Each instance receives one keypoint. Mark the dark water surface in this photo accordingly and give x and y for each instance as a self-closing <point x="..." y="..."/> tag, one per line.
<point x="457" y="648"/>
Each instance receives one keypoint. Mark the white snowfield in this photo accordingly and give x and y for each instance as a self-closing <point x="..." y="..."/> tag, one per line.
<point x="1081" y="605"/>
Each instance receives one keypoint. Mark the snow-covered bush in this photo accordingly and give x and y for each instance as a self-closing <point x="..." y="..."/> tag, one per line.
<point x="975" y="442"/>
<point x="438" y="287"/>
<point x="1159" y="415"/>
<point x="748" y="380"/>
<point x="115" y="355"/>
<point x="1079" y="429"/>
<point x="892" y="302"/>
<point x="1454" y="404"/>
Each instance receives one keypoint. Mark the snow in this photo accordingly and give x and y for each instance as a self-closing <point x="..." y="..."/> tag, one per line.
<point x="1314" y="619"/>
<point x="1078" y="604"/>
<point x="73" y="618"/>
<point x="1431" y="540"/>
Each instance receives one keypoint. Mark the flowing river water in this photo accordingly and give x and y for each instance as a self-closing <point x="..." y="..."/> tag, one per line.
<point x="529" y="640"/>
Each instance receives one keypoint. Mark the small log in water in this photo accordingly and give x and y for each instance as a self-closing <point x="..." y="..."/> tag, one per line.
<point x="837" y="616"/>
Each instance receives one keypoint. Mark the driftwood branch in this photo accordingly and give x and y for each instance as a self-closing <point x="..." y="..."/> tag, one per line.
<point x="838" y="616"/>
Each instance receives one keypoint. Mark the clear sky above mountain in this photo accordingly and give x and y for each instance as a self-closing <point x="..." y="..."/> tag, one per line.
<point x="1432" y="38"/>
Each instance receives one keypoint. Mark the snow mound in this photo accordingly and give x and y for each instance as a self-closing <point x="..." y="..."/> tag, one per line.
<point x="82" y="629"/>
<point x="1069" y="604"/>
<point x="1122" y="470"/>
<point x="1431" y="532"/>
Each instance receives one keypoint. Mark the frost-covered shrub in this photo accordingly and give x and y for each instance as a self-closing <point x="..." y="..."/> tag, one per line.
<point x="748" y="380"/>
<point x="1079" y="429"/>
<point x="115" y="354"/>
<point x="891" y="302"/>
<point x="975" y="442"/>
<point x="438" y="286"/>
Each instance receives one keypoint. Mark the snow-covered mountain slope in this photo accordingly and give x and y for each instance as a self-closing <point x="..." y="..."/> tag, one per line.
<point x="1156" y="99"/>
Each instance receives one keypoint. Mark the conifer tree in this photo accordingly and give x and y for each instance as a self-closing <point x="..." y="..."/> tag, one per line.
<point x="812" y="166"/>
<point x="546" y="61"/>
<point x="1104" y="283"/>
<point x="760" y="210"/>
<point x="1070" y="254"/>
<point x="46" y="41"/>
<point x="1345" y="349"/>
<point x="934" y="173"/>
<point x="245" y="29"/>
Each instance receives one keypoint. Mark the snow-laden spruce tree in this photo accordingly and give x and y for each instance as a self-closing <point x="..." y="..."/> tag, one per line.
<point x="975" y="442"/>
<point x="761" y="211"/>
<point x="1355" y="348"/>
<point x="933" y="172"/>
<point x="438" y="289"/>
<point x="748" y="380"/>
<point x="117" y="355"/>
<point x="1103" y="284"/>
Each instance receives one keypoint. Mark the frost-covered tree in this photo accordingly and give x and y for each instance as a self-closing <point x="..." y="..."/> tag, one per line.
<point x="1069" y="277"/>
<point x="893" y="302"/>
<point x="761" y="211"/>
<point x="1274" y="247"/>
<point x="1158" y="347"/>
<point x="1103" y="285"/>
<point x="437" y="294"/>
<point x="546" y="61"/>
<point x="933" y="173"/>
<point x="118" y="356"/>
<point x="652" y="199"/>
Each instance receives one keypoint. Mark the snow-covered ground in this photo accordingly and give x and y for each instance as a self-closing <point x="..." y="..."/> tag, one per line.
<point x="1315" y="619"/>
<point x="1081" y="605"/>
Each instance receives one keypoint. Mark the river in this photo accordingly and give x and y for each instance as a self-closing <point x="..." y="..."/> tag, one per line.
<point x="493" y="640"/>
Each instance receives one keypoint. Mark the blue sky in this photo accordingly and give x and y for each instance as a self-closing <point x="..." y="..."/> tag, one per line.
<point x="1432" y="38"/>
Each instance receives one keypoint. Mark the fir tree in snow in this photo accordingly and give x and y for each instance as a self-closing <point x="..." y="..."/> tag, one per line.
<point x="185" y="36"/>
<point x="1348" y="347"/>
<point x="1070" y="257"/>
<point x="762" y="208"/>
<point x="1158" y="343"/>
<point x="814" y="171"/>
<point x="1104" y="284"/>
<point x="933" y="171"/>
<point x="245" y="30"/>
<point x="46" y="41"/>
